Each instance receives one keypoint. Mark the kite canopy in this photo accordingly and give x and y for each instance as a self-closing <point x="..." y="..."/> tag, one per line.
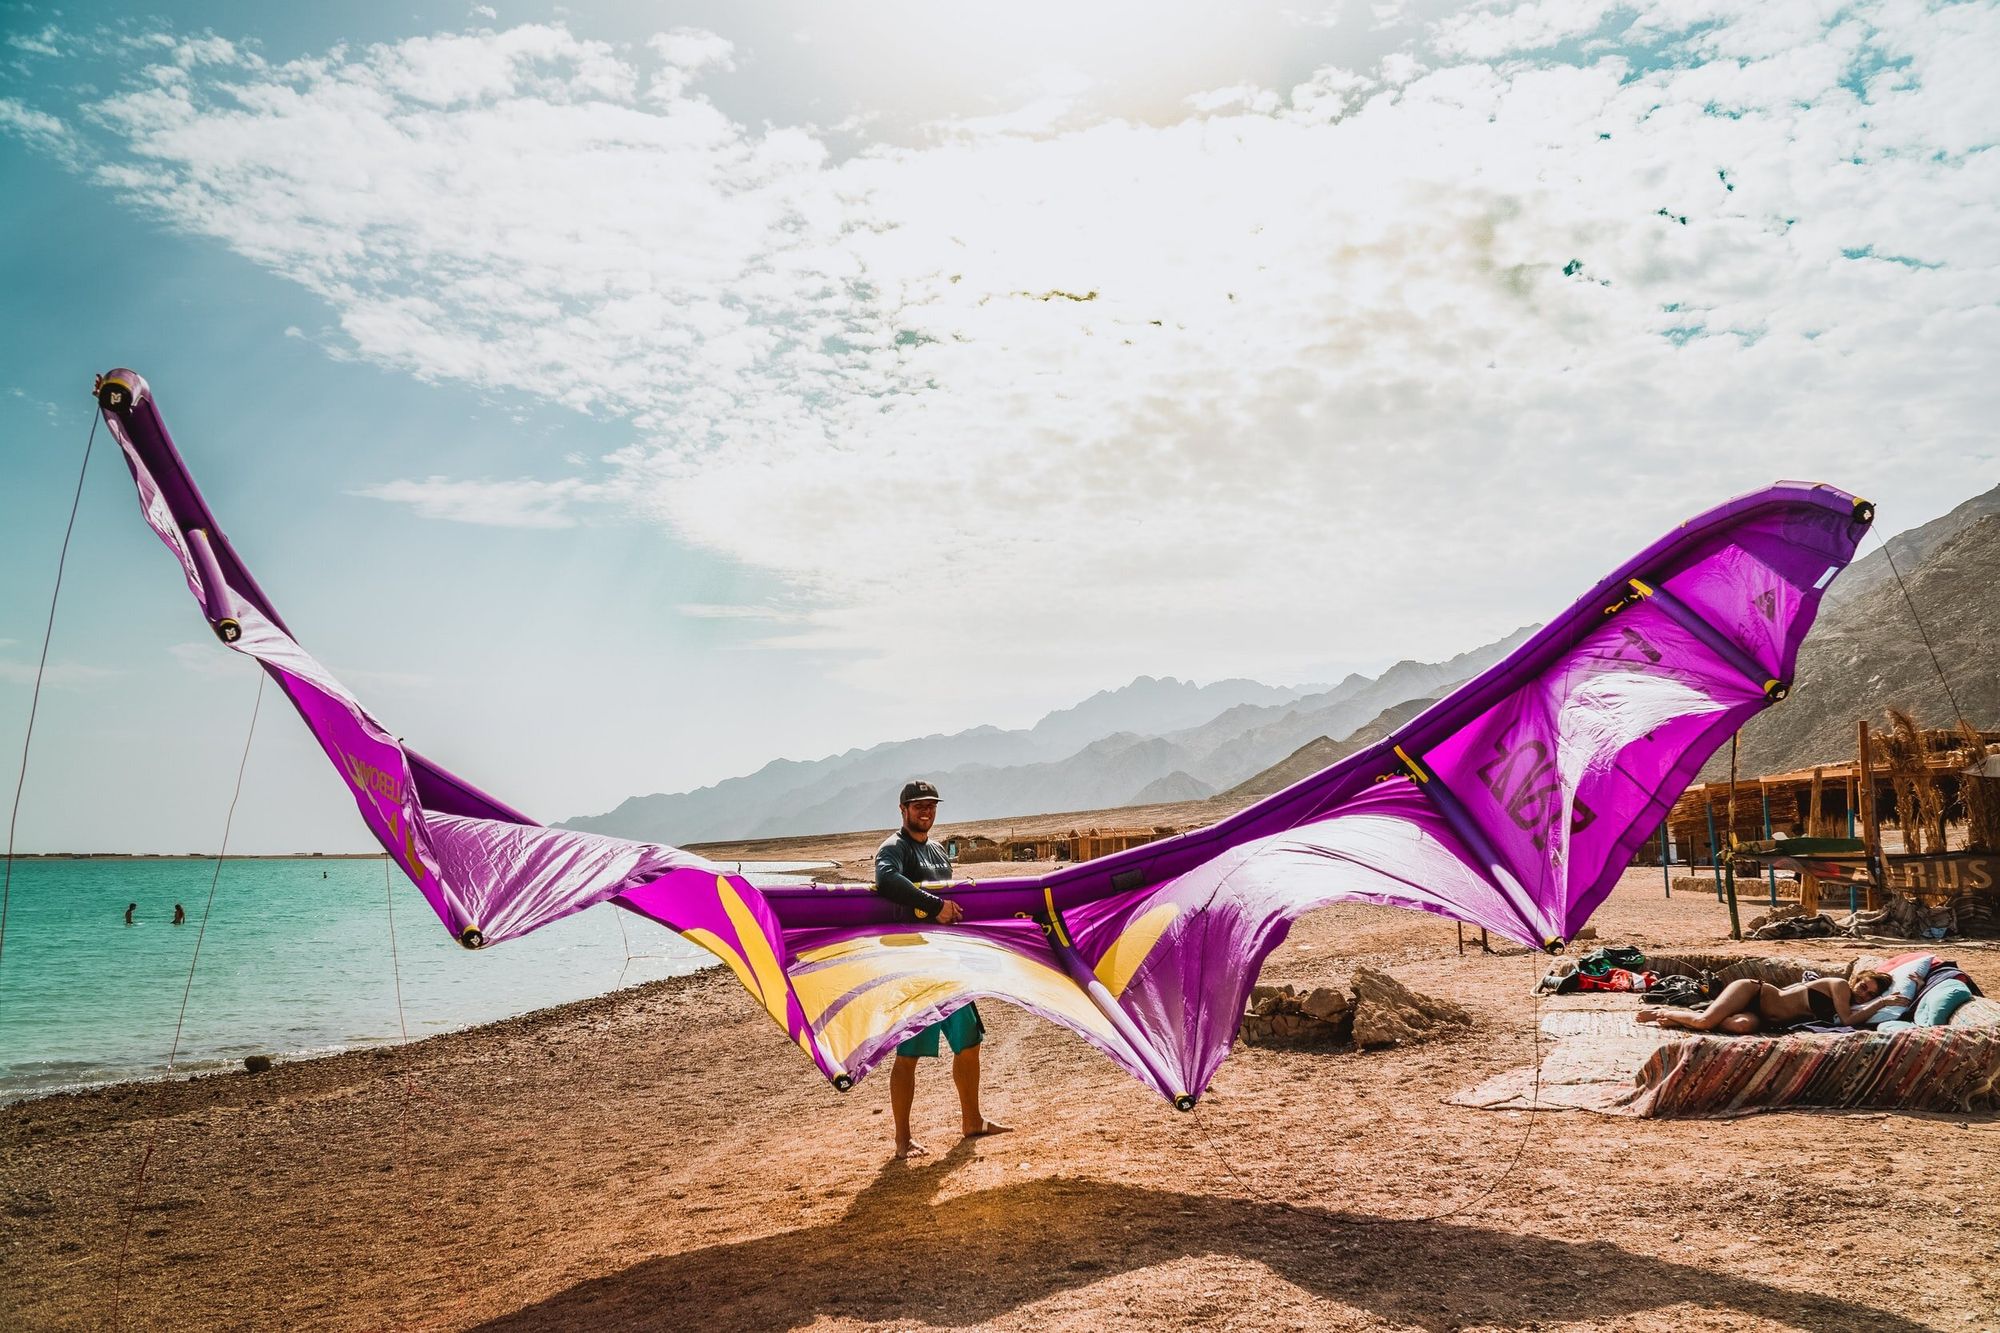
<point x="1512" y="804"/>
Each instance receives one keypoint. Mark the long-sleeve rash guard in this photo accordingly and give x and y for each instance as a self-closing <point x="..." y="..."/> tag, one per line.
<point x="901" y="864"/>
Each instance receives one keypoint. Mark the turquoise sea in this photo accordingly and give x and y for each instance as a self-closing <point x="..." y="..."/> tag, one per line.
<point x="295" y="961"/>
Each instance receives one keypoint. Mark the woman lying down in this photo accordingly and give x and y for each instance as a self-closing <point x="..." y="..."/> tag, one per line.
<point x="1748" y="1005"/>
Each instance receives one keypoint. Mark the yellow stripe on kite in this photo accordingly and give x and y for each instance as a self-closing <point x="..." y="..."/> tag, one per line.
<point x="1132" y="946"/>
<point x="757" y="951"/>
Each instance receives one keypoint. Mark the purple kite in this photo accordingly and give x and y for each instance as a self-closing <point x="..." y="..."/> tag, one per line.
<point x="1512" y="804"/>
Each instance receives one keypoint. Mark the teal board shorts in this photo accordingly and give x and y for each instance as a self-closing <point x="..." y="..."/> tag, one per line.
<point x="963" y="1030"/>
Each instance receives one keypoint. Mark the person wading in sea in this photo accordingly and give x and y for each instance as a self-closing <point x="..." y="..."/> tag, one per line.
<point x="904" y="863"/>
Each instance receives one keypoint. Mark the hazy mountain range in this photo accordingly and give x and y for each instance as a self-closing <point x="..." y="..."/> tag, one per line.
<point x="1163" y="740"/>
<point x="1150" y="741"/>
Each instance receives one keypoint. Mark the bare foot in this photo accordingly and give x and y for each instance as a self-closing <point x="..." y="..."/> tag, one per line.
<point x="987" y="1127"/>
<point x="911" y="1149"/>
<point x="1651" y="1014"/>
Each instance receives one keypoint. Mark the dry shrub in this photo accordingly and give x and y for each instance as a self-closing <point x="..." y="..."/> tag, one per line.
<point x="1980" y="796"/>
<point x="1919" y="803"/>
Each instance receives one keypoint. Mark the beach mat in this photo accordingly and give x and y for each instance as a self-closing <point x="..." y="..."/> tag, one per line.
<point x="1603" y="1061"/>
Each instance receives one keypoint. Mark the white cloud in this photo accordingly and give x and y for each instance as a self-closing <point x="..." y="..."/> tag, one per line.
<point x="521" y="503"/>
<point x="1328" y="16"/>
<point x="209" y="658"/>
<point x="1157" y="395"/>
<point x="1389" y="13"/>
<point x="685" y="54"/>
<point x="41" y="131"/>
<point x="49" y="410"/>
<point x="56" y="675"/>
<point x="1488" y="31"/>
<point x="46" y="42"/>
<point x="727" y="611"/>
<point x="212" y="50"/>
<point x="1239" y="97"/>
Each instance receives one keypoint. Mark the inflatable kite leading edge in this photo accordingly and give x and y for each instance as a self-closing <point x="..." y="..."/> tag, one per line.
<point x="1512" y="804"/>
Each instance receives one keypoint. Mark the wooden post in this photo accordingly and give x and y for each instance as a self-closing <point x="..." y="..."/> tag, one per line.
<point x="1815" y="828"/>
<point x="1871" y="830"/>
<point x="1729" y="880"/>
<point x="1714" y="857"/>
<point x="1666" y="862"/>
<point x="1770" y="871"/>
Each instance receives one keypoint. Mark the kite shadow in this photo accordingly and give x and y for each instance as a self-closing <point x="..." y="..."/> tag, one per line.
<point x="901" y="1253"/>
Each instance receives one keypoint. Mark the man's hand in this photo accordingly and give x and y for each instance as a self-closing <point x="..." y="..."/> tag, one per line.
<point x="950" y="914"/>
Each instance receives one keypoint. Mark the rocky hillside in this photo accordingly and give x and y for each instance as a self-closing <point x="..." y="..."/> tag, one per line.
<point x="1909" y="549"/>
<point x="1317" y="753"/>
<point x="1866" y="654"/>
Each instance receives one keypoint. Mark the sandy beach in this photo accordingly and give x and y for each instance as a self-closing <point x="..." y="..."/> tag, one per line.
<point x="660" y="1157"/>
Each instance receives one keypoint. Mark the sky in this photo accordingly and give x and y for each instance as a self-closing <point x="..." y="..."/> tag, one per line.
<point x="621" y="396"/>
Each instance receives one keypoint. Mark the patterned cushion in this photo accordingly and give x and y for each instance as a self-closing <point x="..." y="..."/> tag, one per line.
<point x="1936" y="1006"/>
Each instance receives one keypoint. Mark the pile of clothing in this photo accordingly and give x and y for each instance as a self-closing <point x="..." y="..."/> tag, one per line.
<point x="1618" y="967"/>
<point x="1796" y="927"/>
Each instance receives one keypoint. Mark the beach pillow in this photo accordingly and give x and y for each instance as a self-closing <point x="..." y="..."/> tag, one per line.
<point x="1907" y="972"/>
<point x="1939" y="1003"/>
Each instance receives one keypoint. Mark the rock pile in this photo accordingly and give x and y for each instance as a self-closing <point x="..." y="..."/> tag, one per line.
<point x="1381" y="1012"/>
<point x="1282" y="1016"/>
<point x="1388" y="1013"/>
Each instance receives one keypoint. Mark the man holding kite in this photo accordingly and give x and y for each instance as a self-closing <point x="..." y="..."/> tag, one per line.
<point x="906" y="861"/>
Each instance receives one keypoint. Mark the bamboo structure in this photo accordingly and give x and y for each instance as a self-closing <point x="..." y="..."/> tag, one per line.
<point x="1919" y="802"/>
<point x="1946" y="755"/>
<point x="1079" y="845"/>
<point x="1815" y="828"/>
<point x="1864" y="771"/>
<point x="1980" y="795"/>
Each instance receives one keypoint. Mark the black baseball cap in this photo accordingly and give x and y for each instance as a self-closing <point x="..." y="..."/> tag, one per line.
<point x="917" y="791"/>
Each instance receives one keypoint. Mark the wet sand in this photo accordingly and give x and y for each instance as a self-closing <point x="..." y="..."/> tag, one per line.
<point x="662" y="1158"/>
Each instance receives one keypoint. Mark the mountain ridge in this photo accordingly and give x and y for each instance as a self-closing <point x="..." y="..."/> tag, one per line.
<point x="1134" y="739"/>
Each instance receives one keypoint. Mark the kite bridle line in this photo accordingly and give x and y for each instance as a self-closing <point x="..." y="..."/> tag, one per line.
<point x="1527" y="1131"/>
<point x="35" y="699"/>
<point x="1917" y="620"/>
<point x="1520" y="1149"/>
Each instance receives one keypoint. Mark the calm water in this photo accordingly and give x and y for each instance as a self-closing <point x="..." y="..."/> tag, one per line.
<point x="296" y="961"/>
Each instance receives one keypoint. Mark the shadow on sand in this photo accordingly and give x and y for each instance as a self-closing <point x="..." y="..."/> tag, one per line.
<point x="898" y="1253"/>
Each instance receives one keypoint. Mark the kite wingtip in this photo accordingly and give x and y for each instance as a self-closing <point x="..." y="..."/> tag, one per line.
<point x="472" y="938"/>
<point x="1864" y="510"/>
<point x="1183" y="1102"/>
<point x="843" y="1082"/>
<point x="118" y="390"/>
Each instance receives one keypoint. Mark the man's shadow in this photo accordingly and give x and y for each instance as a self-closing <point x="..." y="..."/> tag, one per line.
<point x="899" y="1253"/>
